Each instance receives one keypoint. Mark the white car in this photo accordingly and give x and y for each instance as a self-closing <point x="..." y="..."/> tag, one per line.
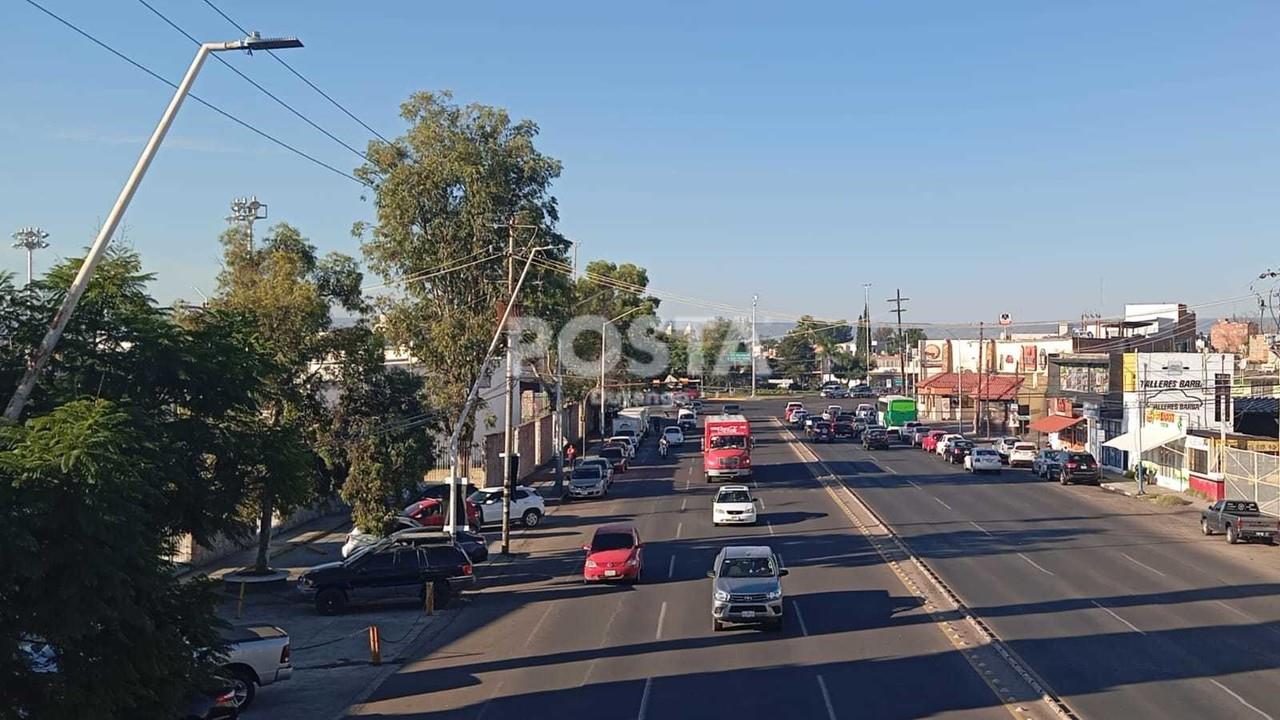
<point x="527" y="506"/>
<point x="944" y="442"/>
<point x="674" y="435"/>
<point x="982" y="459"/>
<point x="733" y="506"/>
<point x="1004" y="445"/>
<point x="866" y="410"/>
<point x="627" y="442"/>
<point x="606" y="467"/>
<point x="1023" y="454"/>
<point x="358" y="538"/>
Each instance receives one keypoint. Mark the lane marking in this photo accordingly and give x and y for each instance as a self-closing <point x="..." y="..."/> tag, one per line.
<point x="761" y="501"/>
<point x="795" y="607"/>
<point x="1034" y="565"/>
<point x="914" y="485"/>
<point x="683" y="504"/>
<point x="671" y="571"/>
<point x="981" y="528"/>
<point x="770" y="526"/>
<point x="662" y="615"/>
<point x="826" y="698"/>
<point x="1243" y="702"/>
<point x="679" y="529"/>
<point x="1142" y="564"/>
<point x="1126" y="622"/>
<point x="537" y="626"/>
<point x="942" y="503"/>
<point x="644" y="699"/>
<point x="485" y="707"/>
<point x="886" y="468"/>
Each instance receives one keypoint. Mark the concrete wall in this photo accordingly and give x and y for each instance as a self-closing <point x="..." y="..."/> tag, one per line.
<point x="535" y="443"/>
<point x="191" y="553"/>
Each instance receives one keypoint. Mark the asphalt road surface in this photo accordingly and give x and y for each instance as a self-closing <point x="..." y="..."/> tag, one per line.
<point x="1120" y="605"/>
<point x="537" y="643"/>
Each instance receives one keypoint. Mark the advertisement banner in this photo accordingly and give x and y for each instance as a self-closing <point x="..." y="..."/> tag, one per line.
<point x="933" y="352"/>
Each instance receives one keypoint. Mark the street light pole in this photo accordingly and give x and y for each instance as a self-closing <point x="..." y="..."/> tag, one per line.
<point x="754" y="298"/>
<point x="604" y="326"/>
<point x="866" y="312"/>
<point x="30" y="239"/>
<point x="40" y="357"/>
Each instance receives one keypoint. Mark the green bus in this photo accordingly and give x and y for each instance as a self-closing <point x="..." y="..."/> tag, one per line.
<point x="896" y="410"/>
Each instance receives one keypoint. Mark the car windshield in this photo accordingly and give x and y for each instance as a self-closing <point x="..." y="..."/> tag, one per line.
<point x="613" y="453"/>
<point x="587" y="472"/>
<point x="1024" y="446"/>
<point x="612" y="541"/>
<point x="721" y="442"/>
<point x="733" y="496"/>
<point x="747" y="567"/>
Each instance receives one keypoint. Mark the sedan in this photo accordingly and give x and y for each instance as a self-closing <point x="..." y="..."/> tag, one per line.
<point x="1045" y="463"/>
<point x="944" y="443"/>
<point x="615" y="553"/>
<point x="616" y="457"/>
<point x="957" y="451"/>
<point x="733" y="505"/>
<point x="982" y="460"/>
<point x="929" y="442"/>
<point x="673" y="435"/>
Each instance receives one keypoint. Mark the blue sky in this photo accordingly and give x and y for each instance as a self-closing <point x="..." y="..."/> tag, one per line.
<point x="1027" y="157"/>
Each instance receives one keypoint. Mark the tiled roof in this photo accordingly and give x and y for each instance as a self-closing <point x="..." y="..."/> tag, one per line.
<point x="993" y="386"/>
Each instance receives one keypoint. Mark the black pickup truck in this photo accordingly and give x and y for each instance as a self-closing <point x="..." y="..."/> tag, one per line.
<point x="1240" y="520"/>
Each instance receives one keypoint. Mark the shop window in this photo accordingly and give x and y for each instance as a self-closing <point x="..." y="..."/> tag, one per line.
<point x="1198" y="460"/>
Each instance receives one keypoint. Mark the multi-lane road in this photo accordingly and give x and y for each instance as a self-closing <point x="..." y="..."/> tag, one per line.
<point x="1117" y="604"/>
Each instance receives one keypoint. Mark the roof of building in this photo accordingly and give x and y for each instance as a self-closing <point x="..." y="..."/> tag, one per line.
<point x="1256" y="404"/>
<point x="991" y="387"/>
<point x="1054" y="423"/>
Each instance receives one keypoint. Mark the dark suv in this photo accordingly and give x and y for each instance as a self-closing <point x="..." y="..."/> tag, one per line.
<point x="822" y="432"/>
<point x="1079" y="467"/>
<point x="957" y="451"/>
<point x="875" y="439"/>
<point x="388" y="572"/>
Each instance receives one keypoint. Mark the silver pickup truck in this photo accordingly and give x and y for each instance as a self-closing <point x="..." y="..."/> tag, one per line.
<point x="1239" y="519"/>
<point x="257" y="655"/>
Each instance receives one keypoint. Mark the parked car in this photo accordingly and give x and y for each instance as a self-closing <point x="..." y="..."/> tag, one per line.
<point x="1004" y="446"/>
<point x="746" y="587"/>
<point x="616" y="457"/>
<point x="875" y="438"/>
<point x="587" y="480"/>
<point x="791" y="407"/>
<point x="626" y="442"/>
<point x="944" y="443"/>
<point x="822" y="432"/>
<point x="834" y="390"/>
<point x="929" y="443"/>
<point x="527" y="506"/>
<point x="1240" y="520"/>
<point x="918" y="434"/>
<point x="257" y="656"/>
<point x="733" y="505"/>
<point x="615" y="553"/>
<point x="1079" y="467"/>
<point x="213" y="699"/>
<point x="605" y="465"/>
<point x="861" y="391"/>
<point x="982" y="459"/>
<point x="440" y="491"/>
<point x="1044" y="464"/>
<point x="1023" y="454"/>
<point x="674" y="435"/>
<point x="431" y="513"/>
<point x="957" y="451"/>
<point x="388" y="572"/>
<point x="475" y="545"/>
<point x="358" y="538"/>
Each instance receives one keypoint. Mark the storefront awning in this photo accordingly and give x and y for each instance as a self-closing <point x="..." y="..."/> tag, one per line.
<point x="1152" y="437"/>
<point x="1054" y="423"/>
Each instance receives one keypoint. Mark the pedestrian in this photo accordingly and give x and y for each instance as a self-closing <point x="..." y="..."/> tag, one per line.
<point x="570" y="452"/>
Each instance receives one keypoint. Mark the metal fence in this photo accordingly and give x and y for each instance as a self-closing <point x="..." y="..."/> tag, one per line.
<point x="1253" y="476"/>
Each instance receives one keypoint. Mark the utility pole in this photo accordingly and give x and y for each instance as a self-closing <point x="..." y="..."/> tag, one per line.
<point x="246" y="211"/>
<point x="508" y="479"/>
<point x="754" y="298"/>
<point x="32" y="239"/>
<point x="977" y="398"/>
<point x="866" y="321"/>
<point x="897" y="300"/>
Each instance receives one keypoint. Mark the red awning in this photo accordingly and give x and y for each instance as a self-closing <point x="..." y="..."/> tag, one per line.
<point x="1054" y="423"/>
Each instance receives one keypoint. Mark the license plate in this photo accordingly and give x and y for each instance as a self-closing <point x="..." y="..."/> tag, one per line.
<point x="748" y="613"/>
<point x="610" y="573"/>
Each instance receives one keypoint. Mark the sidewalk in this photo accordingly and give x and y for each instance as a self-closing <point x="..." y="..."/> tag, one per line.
<point x="314" y="530"/>
<point x="1116" y="483"/>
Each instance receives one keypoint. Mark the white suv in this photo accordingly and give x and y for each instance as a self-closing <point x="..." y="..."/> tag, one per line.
<point x="1023" y="453"/>
<point x="944" y="442"/>
<point x="527" y="506"/>
<point x="627" y="442"/>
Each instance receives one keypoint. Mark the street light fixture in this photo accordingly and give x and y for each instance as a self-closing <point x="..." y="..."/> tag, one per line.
<point x="605" y="326"/>
<point x="40" y="357"/>
<point x="30" y="239"/>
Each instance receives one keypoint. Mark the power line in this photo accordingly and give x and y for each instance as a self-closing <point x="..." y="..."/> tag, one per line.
<point x="434" y="272"/>
<point x="299" y="75"/>
<point x="261" y="133"/>
<point x="252" y="82"/>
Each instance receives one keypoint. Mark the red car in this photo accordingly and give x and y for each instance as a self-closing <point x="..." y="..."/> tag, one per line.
<point x="615" y="553"/>
<point x="930" y="441"/>
<point x="430" y="513"/>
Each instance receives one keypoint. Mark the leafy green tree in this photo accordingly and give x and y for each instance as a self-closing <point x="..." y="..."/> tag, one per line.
<point x="448" y="195"/>
<point x="288" y="291"/>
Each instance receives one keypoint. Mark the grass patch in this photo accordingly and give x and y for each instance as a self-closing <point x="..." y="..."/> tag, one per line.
<point x="1170" y="500"/>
